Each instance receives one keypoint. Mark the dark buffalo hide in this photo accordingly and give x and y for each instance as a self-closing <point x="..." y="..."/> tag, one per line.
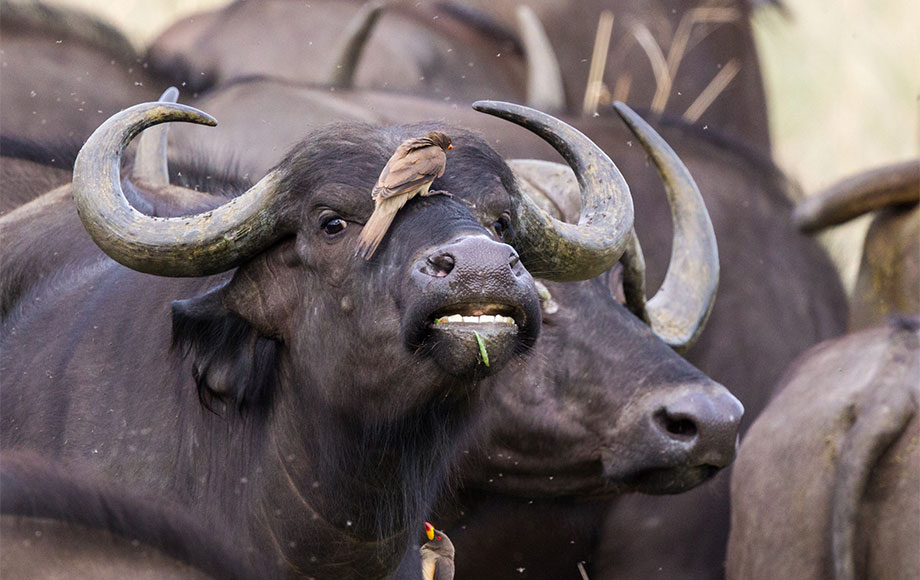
<point x="413" y="48"/>
<point x="28" y="170"/>
<point x="460" y="51"/>
<point x="57" y="524"/>
<point x="827" y="481"/>
<point x="65" y="72"/>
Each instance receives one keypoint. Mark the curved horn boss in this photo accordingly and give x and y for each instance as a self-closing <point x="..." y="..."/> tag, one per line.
<point x="679" y="310"/>
<point x="556" y="250"/>
<point x="198" y="245"/>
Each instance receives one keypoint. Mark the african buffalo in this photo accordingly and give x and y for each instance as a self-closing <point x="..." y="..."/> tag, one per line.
<point x="65" y="72"/>
<point x="410" y="47"/>
<point x="56" y="524"/>
<point x="288" y="384"/>
<point x="827" y="480"/>
<point x="889" y="272"/>
<point x="765" y="261"/>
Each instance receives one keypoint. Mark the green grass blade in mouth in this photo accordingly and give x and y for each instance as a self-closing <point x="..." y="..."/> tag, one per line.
<point x="482" y="348"/>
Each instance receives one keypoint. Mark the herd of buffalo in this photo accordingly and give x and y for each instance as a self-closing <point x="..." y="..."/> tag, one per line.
<point x="615" y="350"/>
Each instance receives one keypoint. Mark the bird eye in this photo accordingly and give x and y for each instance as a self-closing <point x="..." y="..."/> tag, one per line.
<point x="333" y="225"/>
<point x="501" y="226"/>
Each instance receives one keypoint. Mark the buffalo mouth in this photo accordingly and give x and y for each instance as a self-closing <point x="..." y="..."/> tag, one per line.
<point x="669" y="481"/>
<point x="587" y="477"/>
<point x="476" y="338"/>
<point x="477" y="316"/>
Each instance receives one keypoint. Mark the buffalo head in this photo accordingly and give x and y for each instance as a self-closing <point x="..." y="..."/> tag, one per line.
<point x="605" y="407"/>
<point x="437" y="263"/>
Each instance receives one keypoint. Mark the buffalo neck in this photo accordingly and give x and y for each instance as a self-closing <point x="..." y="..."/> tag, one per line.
<point x="343" y="488"/>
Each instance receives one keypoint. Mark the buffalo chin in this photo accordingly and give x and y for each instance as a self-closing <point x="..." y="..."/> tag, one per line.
<point x="455" y="348"/>
<point x="590" y="482"/>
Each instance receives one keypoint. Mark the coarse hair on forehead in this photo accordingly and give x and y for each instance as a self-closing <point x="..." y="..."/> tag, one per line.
<point x="470" y="159"/>
<point x="353" y="154"/>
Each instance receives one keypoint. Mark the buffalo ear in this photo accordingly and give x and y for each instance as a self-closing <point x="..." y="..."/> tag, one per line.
<point x="231" y="361"/>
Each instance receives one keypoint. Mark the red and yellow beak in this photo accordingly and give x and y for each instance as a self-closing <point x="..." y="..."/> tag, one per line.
<point x="429" y="531"/>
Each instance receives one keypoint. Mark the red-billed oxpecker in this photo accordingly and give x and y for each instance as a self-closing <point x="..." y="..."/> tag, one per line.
<point x="409" y="172"/>
<point x="437" y="555"/>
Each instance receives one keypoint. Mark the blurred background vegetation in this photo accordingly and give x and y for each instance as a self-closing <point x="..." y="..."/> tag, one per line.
<point x="842" y="77"/>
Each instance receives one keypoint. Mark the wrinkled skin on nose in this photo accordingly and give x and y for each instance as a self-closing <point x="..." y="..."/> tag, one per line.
<point x="601" y="407"/>
<point x="483" y="311"/>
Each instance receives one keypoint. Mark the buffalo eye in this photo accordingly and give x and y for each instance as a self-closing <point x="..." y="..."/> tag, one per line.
<point x="333" y="225"/>
<point x="501" y="226"/>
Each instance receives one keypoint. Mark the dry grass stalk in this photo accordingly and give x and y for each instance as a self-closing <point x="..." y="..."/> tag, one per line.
<point x="595" y="86"/>
<point x="712" y="90"/>
<point x="659" y="66"/>
<point x="704" y="15"/>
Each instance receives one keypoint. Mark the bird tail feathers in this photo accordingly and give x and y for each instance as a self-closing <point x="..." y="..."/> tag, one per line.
<point x="374" y="230"/>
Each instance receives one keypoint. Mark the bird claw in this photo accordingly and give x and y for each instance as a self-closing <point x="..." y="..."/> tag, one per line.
<point x="439" y="192"/>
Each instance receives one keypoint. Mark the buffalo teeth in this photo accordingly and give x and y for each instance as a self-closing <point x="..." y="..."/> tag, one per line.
<point x="484" y="319"/>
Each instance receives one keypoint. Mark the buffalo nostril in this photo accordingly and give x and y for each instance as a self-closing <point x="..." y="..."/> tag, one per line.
<point x="678" y="425"/>
<point x="440" y="265"/>
<point x="513" y="259"/>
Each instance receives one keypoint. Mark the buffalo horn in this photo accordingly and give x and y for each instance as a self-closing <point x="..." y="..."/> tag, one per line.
<point x="679" y="310"/>
<point x="553" y="249"/>
<point x="342" y="71"/>
<point x="150" y="163"/>
<point x="544" y="77"/>
<point x="886" y="186"/>
<point x="197" y="245"/>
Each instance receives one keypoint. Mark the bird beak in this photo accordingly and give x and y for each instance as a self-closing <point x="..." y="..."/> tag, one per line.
<point x="429" y="531"/>
<point x="449" y="147"/>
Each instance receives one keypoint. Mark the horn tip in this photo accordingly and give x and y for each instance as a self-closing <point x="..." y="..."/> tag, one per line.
<point x="525" y="11"/>
<point x="804" y="216"/>
<point x="492" y="107"/>
<point x="201" y="118"/>
<point x="170" y="95"/>
<point x="632" y="119"/>
<point x="481" y="106"/>
<point x="624" y="110"/>
<point x="169" y="111"/>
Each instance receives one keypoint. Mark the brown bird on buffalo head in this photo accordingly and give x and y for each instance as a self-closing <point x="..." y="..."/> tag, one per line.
<point x="437" y="555"/>
<point x="409" y="172"/>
